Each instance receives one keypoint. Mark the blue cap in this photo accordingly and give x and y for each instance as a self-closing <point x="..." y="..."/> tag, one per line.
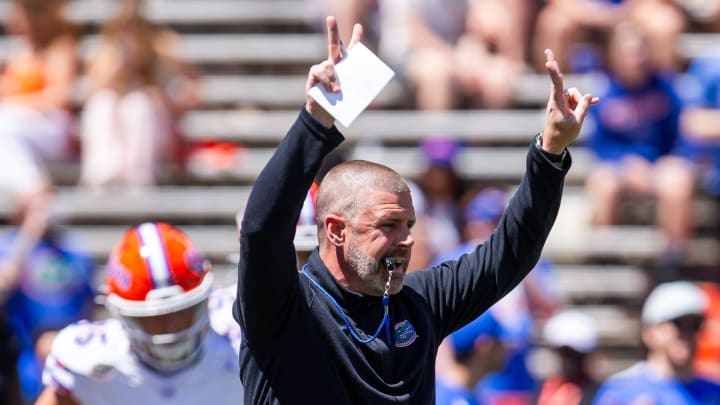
<point x="485" y="326"/>
<point x="440" y="151"/>
<point x="487" y="206"/>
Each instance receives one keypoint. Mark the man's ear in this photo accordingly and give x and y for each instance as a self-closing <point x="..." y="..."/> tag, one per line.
<point x="335" y="229"/>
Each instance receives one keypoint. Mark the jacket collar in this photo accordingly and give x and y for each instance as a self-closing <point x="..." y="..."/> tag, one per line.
<point x="348" y="299"/>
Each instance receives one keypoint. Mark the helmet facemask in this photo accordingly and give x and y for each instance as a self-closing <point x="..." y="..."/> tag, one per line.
<point x="170" y="351"/>
<point x="146" y="323"/>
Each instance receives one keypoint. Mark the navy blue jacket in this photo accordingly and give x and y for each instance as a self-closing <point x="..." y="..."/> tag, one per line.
<point x="295" y="349"/>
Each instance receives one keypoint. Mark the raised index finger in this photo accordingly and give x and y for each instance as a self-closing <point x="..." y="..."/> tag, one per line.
<point x="334" y="49"/>
<point x="557" y="91"/>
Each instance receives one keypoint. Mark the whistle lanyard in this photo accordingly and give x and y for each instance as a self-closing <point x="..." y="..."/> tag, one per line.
<point x="349" y="328"/>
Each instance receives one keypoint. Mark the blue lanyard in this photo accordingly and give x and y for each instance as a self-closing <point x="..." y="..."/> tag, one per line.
<point x="385" y="321"/>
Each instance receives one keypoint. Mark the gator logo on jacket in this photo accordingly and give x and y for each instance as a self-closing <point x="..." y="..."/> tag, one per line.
<point x="405" y="334"/>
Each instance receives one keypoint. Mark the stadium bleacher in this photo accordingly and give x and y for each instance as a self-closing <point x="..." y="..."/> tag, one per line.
<point x="255" y="54"/>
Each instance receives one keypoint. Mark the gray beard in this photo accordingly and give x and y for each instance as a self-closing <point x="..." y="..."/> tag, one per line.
<point x="365" y="267"/>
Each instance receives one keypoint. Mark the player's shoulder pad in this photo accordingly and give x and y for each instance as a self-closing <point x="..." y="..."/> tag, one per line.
<point x="91" y="347"/>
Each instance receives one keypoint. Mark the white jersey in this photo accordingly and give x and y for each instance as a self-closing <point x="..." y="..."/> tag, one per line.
<point x="93" y="362"/>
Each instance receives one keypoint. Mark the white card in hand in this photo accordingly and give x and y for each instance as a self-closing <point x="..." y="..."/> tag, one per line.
<point x="362" y="76"/>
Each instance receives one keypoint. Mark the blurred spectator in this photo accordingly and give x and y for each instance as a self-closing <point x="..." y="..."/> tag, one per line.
<point x="347" y="13"/>
<point x="448" y="51"/>
<point x="705" y="14"/>
<point x="52" y="290"/>
<point x="35" y="129"/>
<point x="573" y="336"/>
<point x="663" y="21"/>
<point x="350" y="12"/>
<point x="671" y="318"/>
<point x="35" y="122"/>
<point x="442" y="187"/>
<point x="502" y="25"/>
<point x="476" y="349"/>
<point x="564" y="24"/>
<point x="423" y="249"/>
<point x="535" y="296"/>
<point x="137" y="87"/>
<point x="636" y="131"/>
<point x="700" y="121"/>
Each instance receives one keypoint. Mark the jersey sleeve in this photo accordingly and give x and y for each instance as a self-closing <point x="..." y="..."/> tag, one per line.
<point x="84" y="350"/>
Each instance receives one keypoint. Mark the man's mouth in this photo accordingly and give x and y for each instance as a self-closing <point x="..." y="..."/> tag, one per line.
<point x="394" y="263"/>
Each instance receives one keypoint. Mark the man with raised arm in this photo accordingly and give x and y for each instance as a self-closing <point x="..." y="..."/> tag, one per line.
<point x="352" y="327"/>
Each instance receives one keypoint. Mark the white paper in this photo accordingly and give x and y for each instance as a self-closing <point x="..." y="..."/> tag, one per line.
<point x="362" y="76"/>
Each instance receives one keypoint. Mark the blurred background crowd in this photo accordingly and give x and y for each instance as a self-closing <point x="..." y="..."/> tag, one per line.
<point x="113" y="112"/>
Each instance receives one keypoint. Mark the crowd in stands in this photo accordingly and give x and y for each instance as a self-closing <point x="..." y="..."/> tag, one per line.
<point x="656" y="132"/>
<point x="136" y="90"/>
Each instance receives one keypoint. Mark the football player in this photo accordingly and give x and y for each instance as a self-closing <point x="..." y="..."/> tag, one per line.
<point x="172" y="339"/>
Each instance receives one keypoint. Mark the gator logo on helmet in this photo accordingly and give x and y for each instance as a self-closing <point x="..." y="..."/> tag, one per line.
<point x="195" y="261"/>
<point x="118" y="275"/>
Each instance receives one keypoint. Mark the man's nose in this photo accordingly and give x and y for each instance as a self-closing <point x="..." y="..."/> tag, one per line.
<point x="407" y="240"/>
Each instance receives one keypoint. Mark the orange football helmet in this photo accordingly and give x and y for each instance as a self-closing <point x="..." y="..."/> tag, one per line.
<point x="155" y="271"/>
<point x="306" y="236"/>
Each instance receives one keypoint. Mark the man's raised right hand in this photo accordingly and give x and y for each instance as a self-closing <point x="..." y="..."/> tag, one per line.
<point x="324" y="72"/>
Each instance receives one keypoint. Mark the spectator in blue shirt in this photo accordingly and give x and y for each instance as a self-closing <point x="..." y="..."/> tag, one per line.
<point x="52" y="289"/>
<point x="637" y="129"/>
<point x="671" y="318"/>
<point x="700" y="120"/>
<point x="477" y="348"/>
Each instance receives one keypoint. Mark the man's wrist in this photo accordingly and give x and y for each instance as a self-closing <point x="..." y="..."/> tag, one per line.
<point x="555" y="158"/>
<point x="321" y="116"/>
<point x="547" y="144"/>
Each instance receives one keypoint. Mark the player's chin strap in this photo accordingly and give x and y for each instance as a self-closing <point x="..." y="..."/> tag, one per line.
<point x="390" y="264"/>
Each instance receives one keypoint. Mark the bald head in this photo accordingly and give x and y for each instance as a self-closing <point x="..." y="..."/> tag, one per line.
<point x="344" y="188"/>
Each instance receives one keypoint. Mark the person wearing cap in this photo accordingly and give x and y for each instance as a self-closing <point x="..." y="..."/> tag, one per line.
<point x="573" y="336"/>
<point x="477" y="349"/>
<point x="353" y="326"/>
<point x="514" y="381"/>
<point x="442" y="186"/>
<point x="671" y="318"/>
